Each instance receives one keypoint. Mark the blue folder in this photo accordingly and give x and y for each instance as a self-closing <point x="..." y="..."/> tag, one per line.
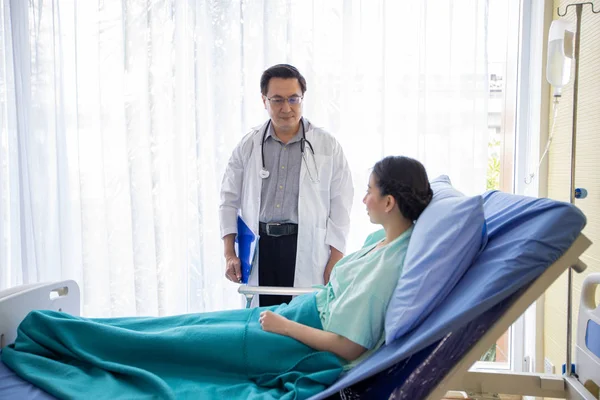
<point x="246" y="241"/>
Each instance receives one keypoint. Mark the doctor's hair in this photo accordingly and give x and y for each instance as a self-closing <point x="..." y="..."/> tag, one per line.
<point x="406" y="180"/>
<point x="284" y="71"/>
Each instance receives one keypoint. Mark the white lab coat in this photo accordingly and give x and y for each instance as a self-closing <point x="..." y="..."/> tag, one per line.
<point x="323" y="207"/>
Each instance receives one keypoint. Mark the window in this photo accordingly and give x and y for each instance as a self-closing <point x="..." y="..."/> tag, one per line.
<point x="503" y="63"/>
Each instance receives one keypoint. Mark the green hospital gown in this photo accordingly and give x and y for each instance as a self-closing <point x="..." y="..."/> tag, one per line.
<point x="354" y="302"/>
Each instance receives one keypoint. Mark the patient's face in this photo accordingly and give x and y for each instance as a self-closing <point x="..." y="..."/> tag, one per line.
<point x="374" y="201"/>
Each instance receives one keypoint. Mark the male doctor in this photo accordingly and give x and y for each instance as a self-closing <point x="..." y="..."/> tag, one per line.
<point x="290" y="182"/>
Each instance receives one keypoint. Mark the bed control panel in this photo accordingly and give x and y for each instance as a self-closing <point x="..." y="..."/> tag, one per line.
<point x="588" y="336"/>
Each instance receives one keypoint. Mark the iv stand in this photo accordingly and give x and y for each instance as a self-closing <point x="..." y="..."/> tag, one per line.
<point x="573" y="195"/>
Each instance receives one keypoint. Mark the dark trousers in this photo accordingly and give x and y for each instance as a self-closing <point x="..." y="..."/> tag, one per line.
<point x="276" y="265"/>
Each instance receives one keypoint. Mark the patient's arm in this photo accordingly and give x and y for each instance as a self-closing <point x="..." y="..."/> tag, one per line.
<point x="315" y="338"/>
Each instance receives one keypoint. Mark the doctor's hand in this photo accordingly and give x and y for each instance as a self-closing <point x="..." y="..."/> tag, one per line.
<point x="271" y="322"/>
<point x="327" y="273"/>
<point x="233" y="268"/>
<point x="334" y="257"/>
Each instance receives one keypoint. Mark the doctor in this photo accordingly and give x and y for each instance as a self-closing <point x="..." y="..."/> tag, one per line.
<point x="290" y="182"/>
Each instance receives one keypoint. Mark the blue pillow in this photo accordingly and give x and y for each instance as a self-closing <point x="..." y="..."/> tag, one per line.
<point x="443" y="189"/>
<point x="449" y="234"/>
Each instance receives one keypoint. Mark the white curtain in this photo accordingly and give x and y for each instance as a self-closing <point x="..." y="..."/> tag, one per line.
<point x="118" y="117"/>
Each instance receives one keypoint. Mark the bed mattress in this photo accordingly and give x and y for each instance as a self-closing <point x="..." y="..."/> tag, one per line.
<point x="13" y="387"/>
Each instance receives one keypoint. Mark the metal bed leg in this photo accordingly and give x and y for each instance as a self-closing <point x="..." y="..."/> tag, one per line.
<point x="249" y="298"/>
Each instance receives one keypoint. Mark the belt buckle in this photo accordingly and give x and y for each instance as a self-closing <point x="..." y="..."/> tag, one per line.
<point x="269" y="225"/>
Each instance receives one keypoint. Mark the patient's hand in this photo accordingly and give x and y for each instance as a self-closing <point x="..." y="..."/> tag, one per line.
<point x="275" y="323"/>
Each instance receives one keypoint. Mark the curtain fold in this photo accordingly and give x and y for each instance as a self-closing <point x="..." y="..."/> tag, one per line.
<point x="118" y="118"/>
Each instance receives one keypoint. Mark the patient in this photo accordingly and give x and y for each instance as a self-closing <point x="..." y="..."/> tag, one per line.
<point x="353" y="304"/>
<point x="291" y="351"/>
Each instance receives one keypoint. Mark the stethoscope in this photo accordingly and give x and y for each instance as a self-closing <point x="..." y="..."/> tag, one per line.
<point x="264" y="174"/>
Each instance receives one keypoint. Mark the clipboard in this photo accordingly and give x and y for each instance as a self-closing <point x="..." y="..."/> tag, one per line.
<point x="246" y="241"/>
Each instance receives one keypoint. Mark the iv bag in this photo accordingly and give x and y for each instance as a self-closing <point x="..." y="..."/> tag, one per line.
<point x="560" y="54"/>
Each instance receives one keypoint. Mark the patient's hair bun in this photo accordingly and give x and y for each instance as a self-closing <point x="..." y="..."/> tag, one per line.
<point x="406" y="180"/>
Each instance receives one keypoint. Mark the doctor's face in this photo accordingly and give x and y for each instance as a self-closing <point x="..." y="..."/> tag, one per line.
<point x="284" y="103"/>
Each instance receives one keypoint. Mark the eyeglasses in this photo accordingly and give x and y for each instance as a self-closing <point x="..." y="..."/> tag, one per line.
<point x="280" y="101"/>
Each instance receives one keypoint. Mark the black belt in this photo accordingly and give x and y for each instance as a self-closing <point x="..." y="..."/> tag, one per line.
<point x="277" y="229"/>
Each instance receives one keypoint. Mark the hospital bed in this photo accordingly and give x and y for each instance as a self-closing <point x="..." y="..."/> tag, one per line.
<point x="416" y="381"/>
<point x="436" y="356"/>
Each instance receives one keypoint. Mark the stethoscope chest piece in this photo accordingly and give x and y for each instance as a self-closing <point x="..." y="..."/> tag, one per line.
<point x="263" y="173"/>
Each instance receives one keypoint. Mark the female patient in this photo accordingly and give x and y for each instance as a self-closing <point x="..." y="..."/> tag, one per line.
<point x="290" y="351"/>
<point x="353" y="304"/>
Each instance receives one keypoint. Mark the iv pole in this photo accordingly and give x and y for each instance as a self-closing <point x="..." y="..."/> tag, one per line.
<point x="575" y="193"/>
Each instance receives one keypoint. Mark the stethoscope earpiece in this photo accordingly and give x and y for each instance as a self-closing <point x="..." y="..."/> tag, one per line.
<point x="263" y="173"/>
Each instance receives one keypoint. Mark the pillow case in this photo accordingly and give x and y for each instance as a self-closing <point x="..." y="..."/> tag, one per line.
<point x="447" y="237"/>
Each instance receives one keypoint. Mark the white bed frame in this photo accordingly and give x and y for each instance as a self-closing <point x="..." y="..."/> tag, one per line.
<point x="17" y="302"/>
<point x="64" y="296"/>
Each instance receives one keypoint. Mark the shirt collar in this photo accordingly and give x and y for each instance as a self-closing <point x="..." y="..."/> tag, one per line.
<point x="297" y="136"/>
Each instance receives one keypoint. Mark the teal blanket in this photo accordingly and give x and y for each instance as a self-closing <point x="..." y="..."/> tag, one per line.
<point x="218" y="355"/>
